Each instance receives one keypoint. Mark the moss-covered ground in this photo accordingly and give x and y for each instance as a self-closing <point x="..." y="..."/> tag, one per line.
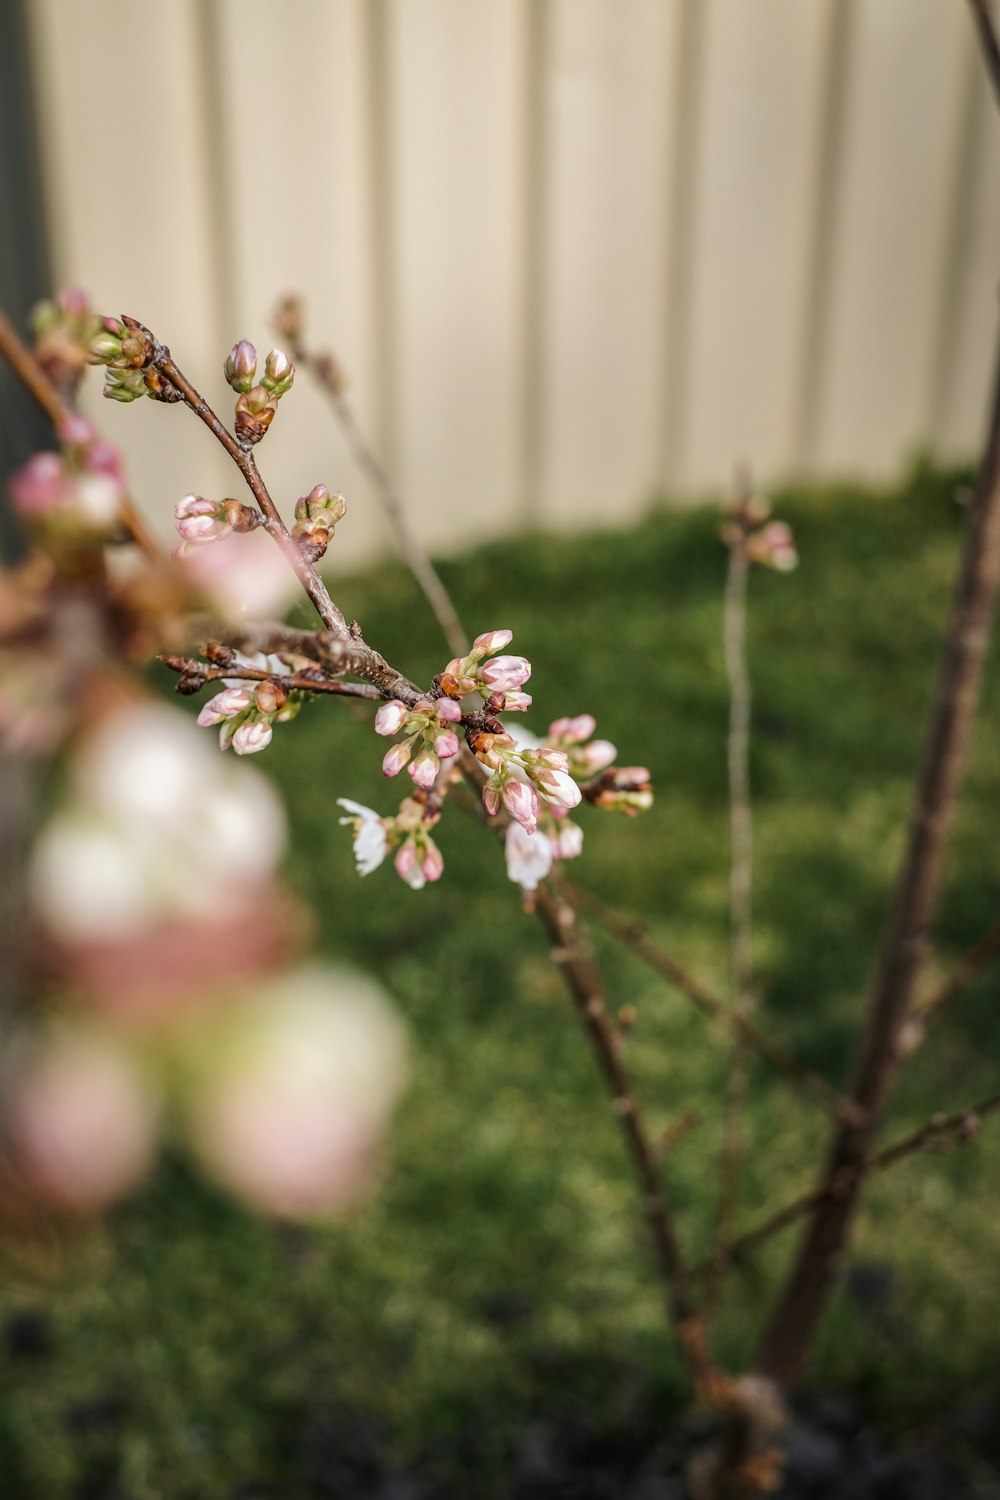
<point x="189" y="1351"/>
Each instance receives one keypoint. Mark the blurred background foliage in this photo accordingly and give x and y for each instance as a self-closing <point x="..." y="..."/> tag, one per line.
<point x="501" y="1272"/>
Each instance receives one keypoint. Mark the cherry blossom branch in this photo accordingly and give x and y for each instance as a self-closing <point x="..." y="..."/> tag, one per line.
<point x="346" y="652"/>
<point x="961" y="1126"/>
<point x="739" y="1028"/>
<point x="38" y="385"/>
<point x="325" y="371"/>
<point x="571" y="952"/>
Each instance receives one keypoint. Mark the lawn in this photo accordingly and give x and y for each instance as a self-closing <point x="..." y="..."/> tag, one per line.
<point x="500" y="1277"/>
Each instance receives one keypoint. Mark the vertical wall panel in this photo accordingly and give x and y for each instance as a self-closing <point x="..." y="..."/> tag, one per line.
<point x="758" y="148"/>
<point x="298" y="176"/>
<point x="456" y="83"/>
<point x="903" y="122"/>
<point x="127" y="200"/>
<point x="607" y="122"/>
<point x="969" y="301"/>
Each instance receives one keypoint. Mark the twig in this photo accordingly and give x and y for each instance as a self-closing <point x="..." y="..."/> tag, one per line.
<point x="929" y="1012"/>
<point x="35" y="381"/>
<point x="938" y="1128"/>
<point x="789" y="1332"/>
<point x="739" y="1027"/>
<point x="571" y="952"/>
<point x="307" y="682"/>
<point x="741" y="863"/>
<point x="326" y="374"/>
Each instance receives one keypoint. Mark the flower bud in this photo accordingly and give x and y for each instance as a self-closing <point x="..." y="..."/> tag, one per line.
<point x="424" y="768"/>
<point x="279" y="372"/>
<point x="522" y="804"/>
<point x="446" y="744"/>
<point x="492" y="640"/>
<point x="395" y="759"/>
<point x="254" y="414"/>
<point x="557" y="787"/>
<point x="448" y="711"/>
<point x="270" y="697"/>
<point x="505" y="672"/>
<point x="390" y="717"/>
<point x="225" y="705"/>
<point x="250" y="738"/>
<point x="241" y="366"/>
<point x="124" y="385"/>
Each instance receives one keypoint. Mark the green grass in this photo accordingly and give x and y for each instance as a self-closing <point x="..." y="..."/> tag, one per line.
<point x="502" y="1272"/>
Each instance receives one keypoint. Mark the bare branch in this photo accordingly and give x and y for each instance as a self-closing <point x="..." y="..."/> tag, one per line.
<point x="939" y="1129"/>
<point x="571" y="952"/>
<point x="190" y="668"/>
<point x="739" y="1027"/>
<point x="929" y="1012"/>
<point x="787" y="1338"/>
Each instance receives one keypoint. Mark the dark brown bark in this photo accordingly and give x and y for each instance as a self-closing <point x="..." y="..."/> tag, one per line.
<point x="793" y="1323"/>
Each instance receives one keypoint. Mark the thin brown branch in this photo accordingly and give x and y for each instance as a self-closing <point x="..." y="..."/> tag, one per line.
<point x="571" y="952"/>
<point x="740" y="865"/>
<point x="792" y="1324"/>
<point x="988" y="42"/>
<point x="38" y="385"/>
<point x="738" y="1027"/>
<point x="940" y="1128"/>
<point x="325" y="372"/>
<point x="929" y="1012"/>
<point x="189" y="667"/>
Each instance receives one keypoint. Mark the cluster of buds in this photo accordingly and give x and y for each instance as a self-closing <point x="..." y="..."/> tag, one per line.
<point x="316" y="515"/>
<point x="63" y="329"/>
<point x="497" y="679"/>
<point x="75" y="495"/>
<point x="767" y="542"/>
<point x="200" y="521"/>
<point x="257" y="402"/>
<point x="126" y="350"/>
<point x="535" y="782"/>
<point x="418" y="859"/>
<point x="247" y="711"/>
<point x="428" y="737"/>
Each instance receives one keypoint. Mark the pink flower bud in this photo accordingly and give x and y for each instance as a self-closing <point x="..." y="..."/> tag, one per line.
<point x="573" y="731"/>
<point x="425" y="768"/>
<point x="522" y="804"/>
<point x="432" y="864"/>
<point x="505" y="672"/>
<point x="492" y="640"/>
<point x="557" y="787"/>
<point x="76" y="431"/>
<point x="568" y="842"/>
<point x="234" y="700"/>
<point x="595" y="756"/>
<point x="516" y="702"/>
<point x="39" y="486"/>
<point x="408" y="866"/>
<point x="269" y="697"/>
<point x="448" y="711"/>
<point x="491" y="798"/>
<point x="395" y="759"/>
<point x="250" y="738"/>
<point x="241" y="366"/>
<point x="446" y="744"/>
<point x="279" y="372"/>
<point x="390" y="717"/>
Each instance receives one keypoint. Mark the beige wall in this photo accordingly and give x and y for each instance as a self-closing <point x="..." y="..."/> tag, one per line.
<point x="573" y="252"/>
